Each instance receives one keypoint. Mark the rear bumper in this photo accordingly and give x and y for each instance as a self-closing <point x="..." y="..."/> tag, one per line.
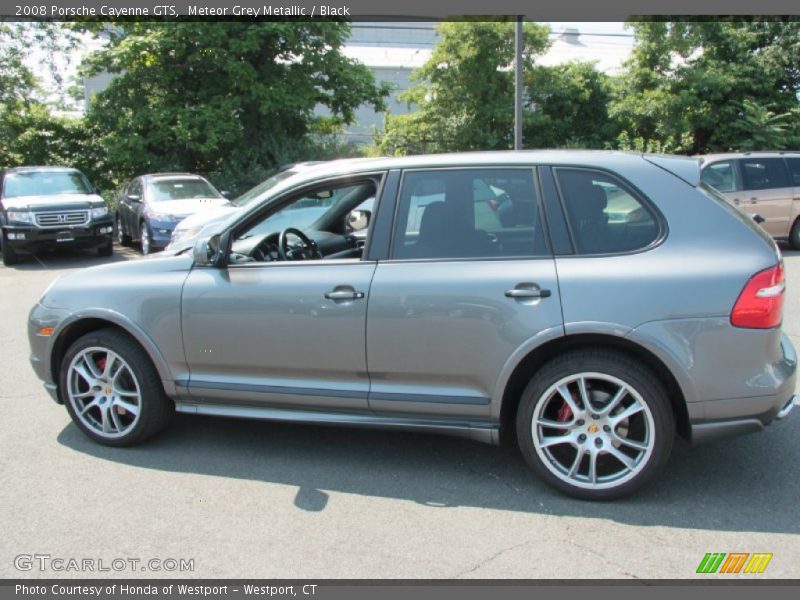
<point x="719" y="419"/>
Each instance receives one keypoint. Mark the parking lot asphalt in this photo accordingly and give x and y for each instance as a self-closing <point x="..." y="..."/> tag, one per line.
<point x="267" y="500"/>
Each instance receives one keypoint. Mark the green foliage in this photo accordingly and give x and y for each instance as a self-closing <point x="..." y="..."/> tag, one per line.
<point x="567" y="107"/>
<point x="232" y="98"/>
<point x="699" y="86"/>
<point x="465" y="90"/>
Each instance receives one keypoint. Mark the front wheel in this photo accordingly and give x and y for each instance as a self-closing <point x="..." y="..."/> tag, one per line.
<point x="123" y="239"/>
<point x="9" y="256"/>
<point x="106" y="249"/>
<point x="112" y="390"/>
<point x="144" y="237"/>
<point x="595" y="424"/>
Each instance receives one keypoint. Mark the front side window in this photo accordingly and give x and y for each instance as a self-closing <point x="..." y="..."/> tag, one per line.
<point x="764" y="173"/>
<point x="468" y="213"/>
<point x="45" y="183"/>
<point x="720" y="176"/>
<point x="605" y="218"/>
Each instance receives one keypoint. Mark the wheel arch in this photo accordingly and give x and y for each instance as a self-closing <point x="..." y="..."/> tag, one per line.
<point x="81" y="324"/>
<point x="536" y="358"/>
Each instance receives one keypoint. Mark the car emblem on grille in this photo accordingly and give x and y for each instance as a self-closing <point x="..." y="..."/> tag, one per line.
<point x="62" y="218"/>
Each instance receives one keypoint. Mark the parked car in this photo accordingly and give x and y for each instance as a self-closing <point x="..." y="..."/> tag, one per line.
<point x="766" y="184"/>
<point x="45" y="208"/>
<point x="583" y="328"/>
<point x="152" y="205"/>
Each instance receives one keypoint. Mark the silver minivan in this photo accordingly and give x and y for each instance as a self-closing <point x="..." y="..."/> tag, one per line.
<point x="766" y="184"/>
<point x="589" y="306"/>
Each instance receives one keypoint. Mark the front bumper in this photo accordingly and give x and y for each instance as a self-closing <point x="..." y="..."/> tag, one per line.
<point x="27" y="238"/>
<point x="161" y="232"/>
<point x="719" y="419"/>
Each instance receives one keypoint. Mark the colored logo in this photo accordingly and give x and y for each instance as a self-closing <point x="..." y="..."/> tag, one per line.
<point x="734" y="563"/>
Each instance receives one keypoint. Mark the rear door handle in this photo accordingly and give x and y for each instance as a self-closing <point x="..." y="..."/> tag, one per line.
<point x="344" y="294"/>
<point x="753" y="200"/>
<point x="527" y="293"/>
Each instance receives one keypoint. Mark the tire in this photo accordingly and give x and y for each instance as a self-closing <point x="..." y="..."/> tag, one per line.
<point x="111" y="389"/>
<point x="9" y="256"/>
<point x="144" y="237"/>
<point x="123" y="239"/>
<point x="794" y="235"/>
<point x="624" y="451"/>
<point x="106" y="249"/>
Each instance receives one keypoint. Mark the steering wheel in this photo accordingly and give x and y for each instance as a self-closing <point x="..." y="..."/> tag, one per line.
<point x="307" y="251"/>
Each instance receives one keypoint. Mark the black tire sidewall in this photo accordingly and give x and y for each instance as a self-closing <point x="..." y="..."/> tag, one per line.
<point x="618" y="365"/>
<point x="155" y="407"/>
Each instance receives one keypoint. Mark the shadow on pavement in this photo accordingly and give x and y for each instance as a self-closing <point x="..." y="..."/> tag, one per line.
<point x="747" y="484"/>
<point x="69" y="258"/>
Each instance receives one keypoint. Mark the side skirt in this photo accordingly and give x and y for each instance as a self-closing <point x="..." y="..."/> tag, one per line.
<point x="479" y="431"/>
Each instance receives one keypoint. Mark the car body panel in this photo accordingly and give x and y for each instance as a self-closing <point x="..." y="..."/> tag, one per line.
<point x="433" y="343"/>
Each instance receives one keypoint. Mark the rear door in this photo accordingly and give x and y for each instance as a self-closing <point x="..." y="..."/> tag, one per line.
<point x="468" y="282"/>
<point x="768" y="192"/>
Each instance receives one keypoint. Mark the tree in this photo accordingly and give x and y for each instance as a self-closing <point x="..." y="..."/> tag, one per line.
<point x="30" y="132"/>
<point x="694" y="86"/>
<point x="465" y="91"/>
<point x="568" y="107"/>
<point x="228" y="99"/>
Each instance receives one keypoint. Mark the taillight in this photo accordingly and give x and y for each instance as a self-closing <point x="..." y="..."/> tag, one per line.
<point x="760" y="305"/>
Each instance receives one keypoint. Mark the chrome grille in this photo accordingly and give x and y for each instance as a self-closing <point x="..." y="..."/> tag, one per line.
<point x="62" y="219"/>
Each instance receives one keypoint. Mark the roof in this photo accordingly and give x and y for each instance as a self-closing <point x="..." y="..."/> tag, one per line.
<point x="171" y="175"/>
<point x="762" y="153"/>
<point x="41" y="168"/>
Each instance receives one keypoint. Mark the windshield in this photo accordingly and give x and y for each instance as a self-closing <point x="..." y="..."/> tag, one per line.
<point x="160" y="190"/>
<point x="45" y="183"/>
<point x="262" y="187"/>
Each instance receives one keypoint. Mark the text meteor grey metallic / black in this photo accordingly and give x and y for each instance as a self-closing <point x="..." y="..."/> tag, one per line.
<point x="589" y="305"/>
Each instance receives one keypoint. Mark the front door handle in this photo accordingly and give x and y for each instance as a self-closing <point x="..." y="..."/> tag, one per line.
<point x="753" y="200"/>
<point x="527" y="292"/>
<point x="341" y="293"/>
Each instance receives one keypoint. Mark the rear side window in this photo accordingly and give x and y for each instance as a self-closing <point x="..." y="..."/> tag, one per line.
<point x="468" y="213"/>
<point x="764" y="173"/>
<point x="794" y="168"/>
<point x="720" y="176"/>
<point x="604" y="216"/>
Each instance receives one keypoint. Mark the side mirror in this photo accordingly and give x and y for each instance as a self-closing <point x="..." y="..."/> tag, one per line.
<point x="758" y="219"/>
<point x="206" y="252"/>
<point x="358" y="220"/>
<point x="226" y="194"/>
<point x="134" y="198"/>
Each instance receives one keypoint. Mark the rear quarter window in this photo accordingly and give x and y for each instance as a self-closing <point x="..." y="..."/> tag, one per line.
<point x="605" y="217"/>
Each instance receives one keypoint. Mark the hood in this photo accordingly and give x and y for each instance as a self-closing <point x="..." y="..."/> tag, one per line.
<point x="188" y="206"/>
<point x="60" y="201"/>
<point x="209" y="215"/>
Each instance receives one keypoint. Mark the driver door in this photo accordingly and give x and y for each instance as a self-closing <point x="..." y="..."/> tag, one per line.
<point x="279" y="333"/>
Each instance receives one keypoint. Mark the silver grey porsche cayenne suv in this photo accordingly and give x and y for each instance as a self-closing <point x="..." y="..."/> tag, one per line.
<point x="589" y="305"/>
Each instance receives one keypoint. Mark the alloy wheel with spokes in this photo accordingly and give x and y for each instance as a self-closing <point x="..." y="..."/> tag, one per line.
<point x="112" y="390"/>
<point x="595" y="424"/>
<point x="104" y="392"/>
<point x="593" y="430"/>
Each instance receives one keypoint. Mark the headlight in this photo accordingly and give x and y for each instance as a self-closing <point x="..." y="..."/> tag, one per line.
<point x="182" y="234"/>
<point x="162" y="217"/>
<point x="99" y="211"/>
<point x="20" y="216"/>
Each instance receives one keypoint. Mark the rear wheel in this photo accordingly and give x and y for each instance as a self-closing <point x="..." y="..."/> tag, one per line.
<point x="112" y="390"/>
<point x="595" y="424"/>
<point x="9" y="256"/>
<point x="794" y="235"/>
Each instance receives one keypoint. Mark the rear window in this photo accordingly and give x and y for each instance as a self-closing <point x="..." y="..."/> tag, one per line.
<point x="764" y="173"/>
<point x="720" y="176"/>
<point x="604" y="216"/>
